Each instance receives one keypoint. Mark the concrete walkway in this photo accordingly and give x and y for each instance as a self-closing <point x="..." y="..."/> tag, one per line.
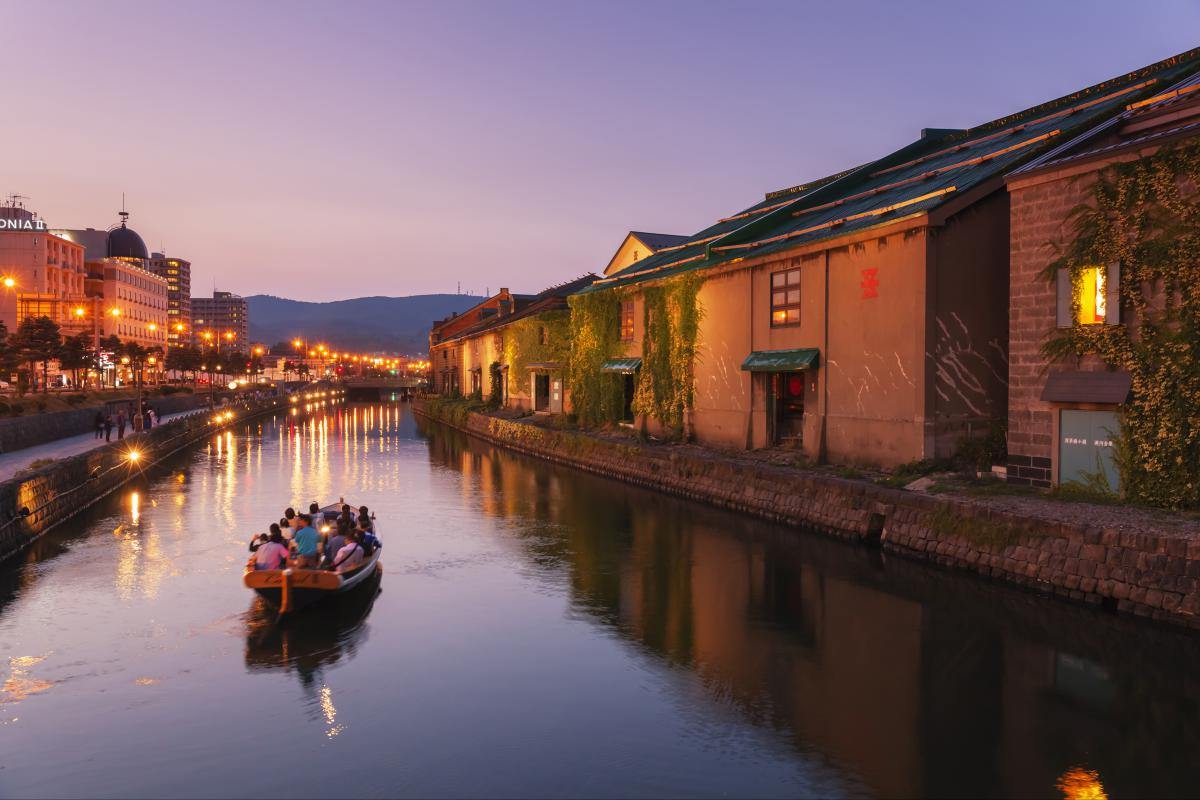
<point x="17" y="460"/>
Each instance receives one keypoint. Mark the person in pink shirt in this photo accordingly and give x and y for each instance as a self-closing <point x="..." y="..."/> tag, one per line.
<point x="273" y="554"/>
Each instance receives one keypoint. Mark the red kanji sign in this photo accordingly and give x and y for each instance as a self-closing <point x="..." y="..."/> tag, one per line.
<point x="869" y="284"/>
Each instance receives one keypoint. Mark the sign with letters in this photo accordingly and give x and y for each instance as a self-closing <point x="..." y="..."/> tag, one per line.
<point x="22" y="225"/>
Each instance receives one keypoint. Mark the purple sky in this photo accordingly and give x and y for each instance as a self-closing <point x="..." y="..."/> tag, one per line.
<point x="323" y="151"/>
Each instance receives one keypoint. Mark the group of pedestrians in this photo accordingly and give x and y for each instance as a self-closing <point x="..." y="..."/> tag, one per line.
<point x="105" y="422"/>
<point x="341" y="543"/>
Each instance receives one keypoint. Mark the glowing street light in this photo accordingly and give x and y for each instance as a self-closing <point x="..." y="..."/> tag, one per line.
<point x="9" y="283"/>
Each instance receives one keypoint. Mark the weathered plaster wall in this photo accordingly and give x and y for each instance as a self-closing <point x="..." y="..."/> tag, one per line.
<point x="967" y="344"/>
<point x="875" y="352"/>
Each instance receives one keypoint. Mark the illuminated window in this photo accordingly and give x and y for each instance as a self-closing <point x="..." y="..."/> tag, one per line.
<point x="1095" y="294"/>
<point x="785" y="298"/>
<point x="627" y="321"/>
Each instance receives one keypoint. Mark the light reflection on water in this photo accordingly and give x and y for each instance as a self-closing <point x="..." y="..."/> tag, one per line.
<point x="540" y="632"/>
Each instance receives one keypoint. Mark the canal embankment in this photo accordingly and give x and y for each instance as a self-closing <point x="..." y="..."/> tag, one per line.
<point x="18" y="433"/>
<point x="1136" y="566"/>
<point x="37" y="500"/>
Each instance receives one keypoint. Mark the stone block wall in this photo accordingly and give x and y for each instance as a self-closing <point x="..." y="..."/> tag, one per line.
<point x="1152" y="575"/>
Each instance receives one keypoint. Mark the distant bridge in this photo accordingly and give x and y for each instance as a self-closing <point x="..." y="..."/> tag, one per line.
<point x="378" y="388"/>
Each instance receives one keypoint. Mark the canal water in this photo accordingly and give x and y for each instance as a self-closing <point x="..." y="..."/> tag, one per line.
<point x="538" y="632"/>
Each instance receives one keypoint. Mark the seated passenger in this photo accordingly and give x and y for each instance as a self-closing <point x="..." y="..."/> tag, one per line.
<point x="257" y="542"/>
<point x="286" y="528"/>
<point x="366" y="536"/>
<point x="306" y="542"/>
<point x="350" y="556"/>
<point x="336" y="541"/>
<point x="363" y="513"/>
<point x="318" y="518"/>
<point x="273" y="553"/>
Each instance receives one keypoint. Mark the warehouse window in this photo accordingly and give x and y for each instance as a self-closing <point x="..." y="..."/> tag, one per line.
<point x="627" y="321"/>
<point x="1096" y="295"/>
<point x="785" y="298"/>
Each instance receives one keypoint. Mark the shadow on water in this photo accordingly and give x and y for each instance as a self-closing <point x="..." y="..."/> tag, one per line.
<point x="922" y="682"/>
<point x="313" y="639"/>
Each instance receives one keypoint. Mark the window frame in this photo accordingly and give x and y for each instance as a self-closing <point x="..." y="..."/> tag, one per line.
<point x="1068" y="311"/>
<point x="785" y="286"/>
<point x="626" y="322"/>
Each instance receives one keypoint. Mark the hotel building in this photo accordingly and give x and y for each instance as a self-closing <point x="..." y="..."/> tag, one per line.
<point x="41" y="273"/>
<point x="222" y="316"/>
<point x="178" y="274"/>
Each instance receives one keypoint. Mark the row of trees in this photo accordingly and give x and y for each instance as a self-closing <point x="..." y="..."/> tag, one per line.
<point x="39" y="340"/>
<point x="196" y="360"/>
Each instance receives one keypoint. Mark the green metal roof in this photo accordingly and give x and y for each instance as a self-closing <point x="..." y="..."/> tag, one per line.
<point x="781" y="360"/>
<point x="624" y="365"/>
<point x="912" y="180"/>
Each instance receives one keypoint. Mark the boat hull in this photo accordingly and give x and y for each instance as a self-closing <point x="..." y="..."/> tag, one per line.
<point x="297" y="589"/>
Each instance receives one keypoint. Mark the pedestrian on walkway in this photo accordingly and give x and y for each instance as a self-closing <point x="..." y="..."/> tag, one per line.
<point x="98" y="424"/>
<point x="120" y="425"/>
<point x="108" y="426"/>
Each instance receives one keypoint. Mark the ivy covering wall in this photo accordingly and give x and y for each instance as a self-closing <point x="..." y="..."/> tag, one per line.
<point x="666" y="385"/>
<point x="1145" y="217"/>
<point x="595" y="338"/>
<point x="523" y="346"/>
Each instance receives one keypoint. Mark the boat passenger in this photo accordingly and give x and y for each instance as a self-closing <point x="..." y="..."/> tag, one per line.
<point x="363" y="513"/>
<point x="318" y="517"/>
<point x="286" y="528"/>
<point x="350" y="556"/>
<point x="336" y="541"/>
<point x="366" y="536"/>
<point x="307" y="543"/>
<point x="290" y="516"/>
<point x="274" y="553"/>
<point x="257" y="542"/>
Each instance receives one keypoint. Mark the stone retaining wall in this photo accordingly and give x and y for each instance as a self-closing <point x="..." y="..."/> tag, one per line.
<point x="32" y="503"/>
<point x="1152" y="575"/>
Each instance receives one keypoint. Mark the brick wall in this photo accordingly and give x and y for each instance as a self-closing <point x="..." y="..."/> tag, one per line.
<point x="1148" y="574"/>
<point x="1039" y="210"/>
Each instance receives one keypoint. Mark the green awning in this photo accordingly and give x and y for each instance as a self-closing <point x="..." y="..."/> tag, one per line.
<point x="781" y="360"/>
<point x="622" y="365"/>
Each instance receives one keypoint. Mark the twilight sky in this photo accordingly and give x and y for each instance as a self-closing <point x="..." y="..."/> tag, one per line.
<point x="332" y="150"/>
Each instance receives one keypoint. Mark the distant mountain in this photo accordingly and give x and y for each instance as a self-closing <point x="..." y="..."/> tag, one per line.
<point x="390" y="324"/>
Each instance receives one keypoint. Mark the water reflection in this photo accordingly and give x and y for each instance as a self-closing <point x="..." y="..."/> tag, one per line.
<point x="922" y="683"/>
<point x="306" y="644"/>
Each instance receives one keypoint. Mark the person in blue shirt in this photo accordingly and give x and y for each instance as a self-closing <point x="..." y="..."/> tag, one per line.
<point x="307" y="543"/>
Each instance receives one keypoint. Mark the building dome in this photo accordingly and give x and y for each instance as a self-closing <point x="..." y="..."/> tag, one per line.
<point x="124" y="242"/>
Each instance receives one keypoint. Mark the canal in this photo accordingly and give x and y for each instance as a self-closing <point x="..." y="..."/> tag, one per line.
<point x="540" y="632"/>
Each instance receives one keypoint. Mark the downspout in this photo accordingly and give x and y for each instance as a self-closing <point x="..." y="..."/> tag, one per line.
<point x="821" y="449"/>
<point x="750" y="375"/>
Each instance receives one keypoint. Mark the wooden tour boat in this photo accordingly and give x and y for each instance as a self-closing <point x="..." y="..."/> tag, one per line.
<point x="293" y="589"/>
